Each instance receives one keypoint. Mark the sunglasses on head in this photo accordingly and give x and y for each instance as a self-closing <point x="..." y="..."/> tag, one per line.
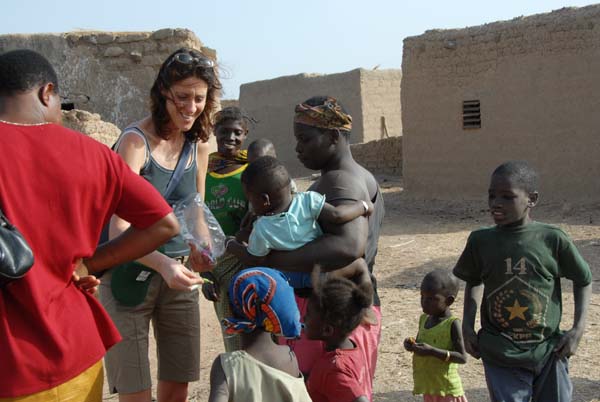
<point x="188" y="59"/>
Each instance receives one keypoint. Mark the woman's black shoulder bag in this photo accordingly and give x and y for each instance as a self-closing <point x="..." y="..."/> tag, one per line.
<point x="16" y="257"/>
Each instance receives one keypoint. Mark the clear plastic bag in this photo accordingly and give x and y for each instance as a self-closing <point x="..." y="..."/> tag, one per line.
<point x="200" y="227"/>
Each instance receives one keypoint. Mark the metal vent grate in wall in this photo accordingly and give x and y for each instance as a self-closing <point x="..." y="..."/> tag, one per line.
<point x="471" y="114"/>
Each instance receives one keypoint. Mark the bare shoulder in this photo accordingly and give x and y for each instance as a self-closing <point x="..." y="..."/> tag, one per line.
<point x="457" y="325"/>
<point x="217" y="366"/>
<point x="342" y="184"/>
<point x="219" y="390"/>
<point x="338" y="176"/>
<point x="133" y="149"/>
<point x="203" y="147"/>
<point x="288" y="361"/>
<point x="370" y="181"/>
<point x="131" y="140"/>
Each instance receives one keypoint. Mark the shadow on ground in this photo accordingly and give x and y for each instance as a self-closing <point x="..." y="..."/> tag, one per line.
<point x="473" y="395"/>
<point x="584" y="390"/>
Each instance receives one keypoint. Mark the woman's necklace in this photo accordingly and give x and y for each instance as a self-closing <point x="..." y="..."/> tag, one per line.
<point x="23" y="124"/>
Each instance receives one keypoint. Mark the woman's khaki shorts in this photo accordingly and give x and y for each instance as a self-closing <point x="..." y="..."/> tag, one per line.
<point x="175" y="317"/>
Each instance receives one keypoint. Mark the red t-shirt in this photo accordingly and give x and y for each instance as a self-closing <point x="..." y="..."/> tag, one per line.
<point x="341" y="375"/>
<point x="59" y="188"/>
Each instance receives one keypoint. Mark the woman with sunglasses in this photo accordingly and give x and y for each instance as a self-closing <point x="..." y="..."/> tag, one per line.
<point x="183" y="98"/>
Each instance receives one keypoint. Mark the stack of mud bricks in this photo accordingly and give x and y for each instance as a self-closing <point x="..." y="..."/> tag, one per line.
<point x="380" y="156"/>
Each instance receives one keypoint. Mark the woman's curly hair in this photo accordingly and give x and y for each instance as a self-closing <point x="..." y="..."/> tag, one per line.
<point x="172" y="72"/>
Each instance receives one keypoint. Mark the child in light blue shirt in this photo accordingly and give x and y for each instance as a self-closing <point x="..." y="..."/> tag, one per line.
<point x="291" y="229"/>
<point x="286" y="220"/>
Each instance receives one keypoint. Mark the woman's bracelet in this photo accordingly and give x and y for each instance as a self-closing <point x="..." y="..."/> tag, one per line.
<point x="447" y="359"/>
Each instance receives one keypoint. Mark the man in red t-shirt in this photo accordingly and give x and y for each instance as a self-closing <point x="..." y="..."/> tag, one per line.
<point x="59" y="188"/>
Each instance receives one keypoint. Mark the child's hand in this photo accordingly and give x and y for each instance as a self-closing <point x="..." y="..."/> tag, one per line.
<point x="233" y="246"/>
<point x="471" y="342"/>
<point x="568" y="343"/>
<point x="248" y="221"/>
<point x="409" y="344"/>
<point x="210" y="289"/>
<point x="421" y="349"/>
<point x="240" y="250"/>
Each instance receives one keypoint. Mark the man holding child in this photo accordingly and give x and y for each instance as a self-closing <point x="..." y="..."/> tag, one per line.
<point x="322" y="128"/>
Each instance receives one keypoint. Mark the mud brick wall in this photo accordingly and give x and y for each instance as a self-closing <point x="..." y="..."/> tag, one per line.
<point x="366" y="95"/>
<point x="109" y="73"/>
<point x="229" y="103"/>
<point x="380" y="156"/>
<point x="380" y="101"/>
<point x="537" y="81"/>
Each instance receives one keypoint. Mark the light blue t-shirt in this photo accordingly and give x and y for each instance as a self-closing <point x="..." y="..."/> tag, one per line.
<point x="289" y="230"/>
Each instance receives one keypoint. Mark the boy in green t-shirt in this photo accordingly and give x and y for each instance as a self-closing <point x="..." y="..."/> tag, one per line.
<point x="518" y="265"/>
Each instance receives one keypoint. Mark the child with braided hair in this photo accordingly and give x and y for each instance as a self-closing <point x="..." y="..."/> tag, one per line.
<point x="334" y="313"/>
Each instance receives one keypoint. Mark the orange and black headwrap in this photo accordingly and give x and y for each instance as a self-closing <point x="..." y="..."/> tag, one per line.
<point x="329" y="116"/>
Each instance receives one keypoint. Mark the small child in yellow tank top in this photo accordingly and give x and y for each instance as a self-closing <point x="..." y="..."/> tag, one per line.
<point x="439" y="346"/>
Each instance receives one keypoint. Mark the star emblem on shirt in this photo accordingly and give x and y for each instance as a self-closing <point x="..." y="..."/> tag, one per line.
<point x="516" y="311"/>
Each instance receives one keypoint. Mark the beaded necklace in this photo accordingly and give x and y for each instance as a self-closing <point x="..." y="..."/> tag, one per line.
<point x="23" y="124"/>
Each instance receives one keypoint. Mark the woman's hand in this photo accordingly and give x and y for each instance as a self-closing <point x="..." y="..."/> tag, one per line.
<point x="177" y="276"/>
<point x="200" y="260"/>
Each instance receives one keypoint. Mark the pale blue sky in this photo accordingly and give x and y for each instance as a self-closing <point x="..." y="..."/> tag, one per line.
<point x="263" y="39"/>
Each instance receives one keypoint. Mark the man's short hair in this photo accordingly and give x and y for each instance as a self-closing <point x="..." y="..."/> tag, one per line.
<point x="23" y="70"/>
<point x="521" y="172"/>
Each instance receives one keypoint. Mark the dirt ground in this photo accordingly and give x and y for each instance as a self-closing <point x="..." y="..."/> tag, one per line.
<point x="419" y="236"/>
